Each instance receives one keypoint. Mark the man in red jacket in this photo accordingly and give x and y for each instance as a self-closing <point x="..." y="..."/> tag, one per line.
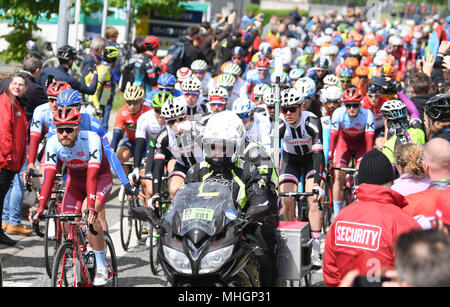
<point x="363" y="233"/>
<point x="13" y="139"/>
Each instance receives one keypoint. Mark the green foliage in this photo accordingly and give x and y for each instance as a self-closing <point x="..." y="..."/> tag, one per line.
<point x="270" y="12"/>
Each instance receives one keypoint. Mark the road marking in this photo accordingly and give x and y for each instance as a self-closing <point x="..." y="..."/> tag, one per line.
<point x="114" y="233"/>
<point x="17" y="284"/>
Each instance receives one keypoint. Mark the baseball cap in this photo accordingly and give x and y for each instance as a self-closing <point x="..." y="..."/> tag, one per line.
<point x="375" y="168"/>
<point x="443" y="207"/>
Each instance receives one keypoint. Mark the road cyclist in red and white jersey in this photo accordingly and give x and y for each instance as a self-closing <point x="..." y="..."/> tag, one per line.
<point x="196" y="106"/>
<point x="89" y="177"/>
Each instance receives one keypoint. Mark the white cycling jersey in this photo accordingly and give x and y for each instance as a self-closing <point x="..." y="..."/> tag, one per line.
<point x="148" y="126"/>
<point x="196" y="112"/>
<point x="258" y="130"/>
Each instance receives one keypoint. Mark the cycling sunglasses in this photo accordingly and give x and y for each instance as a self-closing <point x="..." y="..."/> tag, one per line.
<point x="284" y="110"/>
<point x="332" y="101"/>
<point x="157" y="110"/>
<point x="216" y="104"/>
<point x="166" y="89"/>
<point x="374" y="95"/>
<point x="345" y="80"/>
<point x="271" y="107"/>
<point x="352" y="105"/>
<point x="199" y="72"/>
<point x="236" y="58"/>
<point x="67" y="130"/>
<point x="191" y="94"/>
<point x="133" y="102"/>
<point x="174" y="120"/>
<point x="244" y="115"/>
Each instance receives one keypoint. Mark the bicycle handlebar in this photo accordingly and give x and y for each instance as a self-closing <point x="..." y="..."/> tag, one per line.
<point x="62" y="217"/>
<point x="298" y="194"/>
<point x="345" y="169"/>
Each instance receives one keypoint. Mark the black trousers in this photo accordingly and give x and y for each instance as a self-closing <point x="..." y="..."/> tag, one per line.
<point x="6" y="178"/>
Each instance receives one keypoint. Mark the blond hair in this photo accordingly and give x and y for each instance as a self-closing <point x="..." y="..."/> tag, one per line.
<point x="407" y="156"/>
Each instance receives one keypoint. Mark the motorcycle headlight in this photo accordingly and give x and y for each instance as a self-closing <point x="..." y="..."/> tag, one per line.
<point x="178" y="260"/>
<point x="215" y="259"/>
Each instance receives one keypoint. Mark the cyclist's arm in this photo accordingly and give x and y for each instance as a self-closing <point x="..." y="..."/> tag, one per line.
<point x="95" y="160"/>
<point x="314" y="127"/>
<point x="161" y="154"/>
<point x="35" y="137"/>
<point x="369" y="133"/>
<point x="51" y="164"/>
<point x="139" y="149"/>
<point x="334" y="132"/>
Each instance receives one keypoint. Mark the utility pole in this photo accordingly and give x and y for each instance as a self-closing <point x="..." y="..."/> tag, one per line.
<point x="104" y="17"/>
<point x="63" y="23"/>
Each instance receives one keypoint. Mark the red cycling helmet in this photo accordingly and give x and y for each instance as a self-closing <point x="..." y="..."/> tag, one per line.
<point x="352" y="94"/>
<point x="151" y="42"/>
<point x="55" y="88"/>
<point x="67" y="116"/>
<point x="263" y="62"/>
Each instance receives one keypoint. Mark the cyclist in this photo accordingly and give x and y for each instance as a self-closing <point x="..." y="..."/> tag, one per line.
<point x="237" y="57"/>
<point x="43" y="120"/>
<point x="258" y="93"/>
<point x="223" y="141"/>
<point x="295" y="74"/>
<point x="319" y="71"/>
<point x="302" y="155"/>
<point x="437" y="117"/>
<point x="256" y="76"/>
<point x="198" y="68"/>
<point x="306" y="60"/>
<point x="103" y="97"/>
<point x="217" y="98"/>
<point x="361" y="78"/>
<point x="405" y="131"/>
<point x="183" y="73"/>
<point x="174" y="141"/>
<point x="166" y="83"/>
<point x="89" y="177"/>
<point x="257" y="126"/>
<point x="126" y="120"/>
<point x="229" y="82"/>
<point x="352" y="131"/>
<point x="345" y="76"/>
<point x="331" y="100"/>
<point x="196" y="106"/>
<point x="66" y="54"/>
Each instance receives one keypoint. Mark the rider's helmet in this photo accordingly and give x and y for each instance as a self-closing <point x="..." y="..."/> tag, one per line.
<point x="373" y="88"/>
<point x="66" y="53"/>
<point x="191" y="85"/>
<point x="183" y="73"/>
<point x="309" y="51"/>
<point x="226" y="80"/>
<point x="394" y="110"/>
<point x="346" y="73"/>
<point x="55" y="88"/>
<point x="265" y="49"/>
<point x="69" y="98"/>
<point x="283" y="79"/>
<point x="331" y="93"/>
<point x="306" y="86"/>
<point x="173" y="108"/>
<point x="332" y="50"/>
<point x="296" y="73"/>
<point x="260" y="89"/>
<point x="232" y="69"/>
<point x="160" y="98"/>
<point x="243" y="107"/>
<point x="218" y="94"/>
<point x="133" y="93"/>
<point x="111" y="54"/>
<point x="151" y="42"/>
<point x="67" y="116"/>
<point x="263" y="63"/>
<point x="290" y="97"/>
<point x="167" y="80"/>
<point x="352" y="94"/>
<point x="322" y="62"/>
<point x="269" y="97"/>
<point x="223" y="129"/>
<point x="238" y="50"/>
<point x="199" y="65"/>
<point x="330" y="80"/>
<point x="438" y="108"/>
<point x="362" y="71"/>
<point x="351" y="62"/>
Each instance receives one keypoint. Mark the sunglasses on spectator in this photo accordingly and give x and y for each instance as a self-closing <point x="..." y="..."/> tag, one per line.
<point x="174" y="120"/>
<point x="244" y="115"/>
<point x="133" y="102"/>
<point x="67" y="130"/>
<point x="352" y="105"/>
<point x="191" y="94"/>
<point x="289" y="109"/>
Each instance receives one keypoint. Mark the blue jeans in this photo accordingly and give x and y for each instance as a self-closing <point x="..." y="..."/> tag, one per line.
<point x="106" y="113"/>
<point x="12" y="204"/>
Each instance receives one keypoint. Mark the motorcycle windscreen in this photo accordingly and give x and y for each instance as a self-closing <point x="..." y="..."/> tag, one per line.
<point x="200" y="205"/>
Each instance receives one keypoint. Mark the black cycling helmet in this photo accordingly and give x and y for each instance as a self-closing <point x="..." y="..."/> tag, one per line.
<point x="438" y="108"/>
<point x="66" y="53"/>
<point x="322" y="62"/>
<point x="238" y="50"/>
<point x="373" y="88"/>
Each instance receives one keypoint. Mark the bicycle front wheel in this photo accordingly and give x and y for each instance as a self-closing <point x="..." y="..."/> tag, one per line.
<point x="65" y="267"/>
<point x="52" y="238"/>
<point x="126" y="222"/>
<point x="111" y="260"/>
<point x="153" y="250"/>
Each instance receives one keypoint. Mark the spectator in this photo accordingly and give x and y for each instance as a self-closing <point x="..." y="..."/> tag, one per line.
<point x="436" y="162"/>
<point x="273" y="21"/>
<point x="412" y="175"/>
<point x="437" y="117"/>
<point x="442" y="213"/>
<point x="209" y="44"/>
<point x="363" y="233"/>
<point x="13" y="124"/>
<point x="294" y="14"/>
<point x="94" y="57"/>
<point x="420" y="87"/>
<point x="111" y="35"/>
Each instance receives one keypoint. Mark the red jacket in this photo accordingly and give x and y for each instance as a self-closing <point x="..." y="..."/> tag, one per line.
<point x="13" y="135"/>
<point x="363" y="233"/>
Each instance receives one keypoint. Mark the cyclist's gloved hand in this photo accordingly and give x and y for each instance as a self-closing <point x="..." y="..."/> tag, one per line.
<point x="154" y="201"/>
<point x="131" y="189"/>
<point x="134" y="176"/>
<point x="320" y="192"/>
<point x="98" y="111"/>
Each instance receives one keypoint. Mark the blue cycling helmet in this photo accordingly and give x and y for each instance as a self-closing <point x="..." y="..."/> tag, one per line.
<point x="69" y="98"/>
<point x="167" y="79"/>
<point x="346" y="73"/>
<point x="243" y="106"/>
<point x="338" y="39"/>
<point x="306" y="86"/>
<point x="309" y="50"/>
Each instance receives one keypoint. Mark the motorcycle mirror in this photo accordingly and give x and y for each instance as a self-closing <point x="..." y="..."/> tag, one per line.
<point x="176" y="223"/>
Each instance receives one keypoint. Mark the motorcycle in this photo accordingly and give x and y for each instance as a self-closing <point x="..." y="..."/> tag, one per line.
<point x="205" y="240"/>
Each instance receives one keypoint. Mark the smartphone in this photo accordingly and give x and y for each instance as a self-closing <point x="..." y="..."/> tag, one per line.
<point x="50" y="79"/>
<point x="362" y="281"/>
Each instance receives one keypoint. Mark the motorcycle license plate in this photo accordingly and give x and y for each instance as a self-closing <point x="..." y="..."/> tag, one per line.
<point x="198" y="214"/>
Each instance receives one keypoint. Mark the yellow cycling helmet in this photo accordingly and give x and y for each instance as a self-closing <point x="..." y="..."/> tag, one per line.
<point x="111" y="54"/>
<point x="133" y="93"/>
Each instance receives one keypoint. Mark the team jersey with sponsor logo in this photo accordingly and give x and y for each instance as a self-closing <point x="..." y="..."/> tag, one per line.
<point x="352" y="129"/>
<point x="127" y="121"/>
<point x="148" y="126"/>
<point x="197" y="111"/>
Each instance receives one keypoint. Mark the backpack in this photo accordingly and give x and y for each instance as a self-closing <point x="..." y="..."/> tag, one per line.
<point x="177" y="52"/>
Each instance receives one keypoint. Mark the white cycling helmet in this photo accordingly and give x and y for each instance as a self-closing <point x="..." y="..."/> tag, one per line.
<point x="243" y="105"/>
<point x="265" y="49"/>
<point x="372" y="50"/>
<point x="183" y="73"/>
<point x="306" y="86"/>
<point x="333" y="50"/>
<point x="269" y="97"/>
<point x="331" y="93"/>
<point x="173" y="108"/>
<point x="260" y="89"/>
<point x="296" y="73"/>
<point x="191" y="84"/>
<point x="223" y="128"/>
<point x="394" y="110"/>
<point x="290" y="97"/>
<point x="330" y="80"/>
<point x="199" y="65"/>
<point x="218" y="94"/>
<point x="232" y="69"/>
<point x="226" y="80"/>
<point x="283" y="78"/>
<point x="293" y="43"/>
